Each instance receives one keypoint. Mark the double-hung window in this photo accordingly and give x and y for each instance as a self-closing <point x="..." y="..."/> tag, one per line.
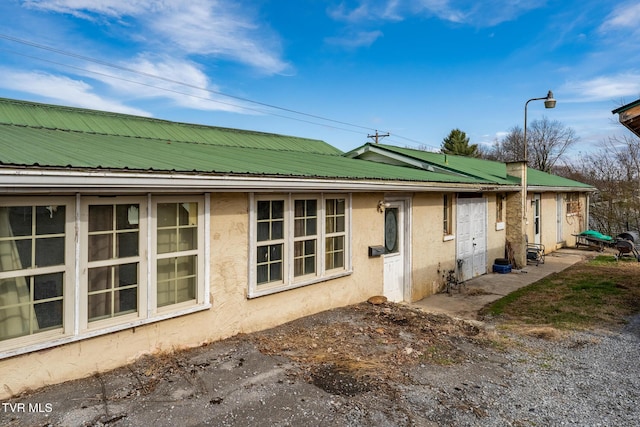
<point x="178" y="273"/>
<point x="298" y="240"/>
<point x="36" y="270"/>
<point x="139" y="259"/>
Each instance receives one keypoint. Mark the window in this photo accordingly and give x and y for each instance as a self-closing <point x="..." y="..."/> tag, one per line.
<point x="335" y="229"/>
<point x="447" y="204"/>
<point x="34" y="276"/>
<point x="141" y="259"/>
<point x="298" y="240"/>
<point x="573" y="203"/>
<point x="177" y="253"/>
<point x="114" y="260"/>
<point x="500" y="198"/>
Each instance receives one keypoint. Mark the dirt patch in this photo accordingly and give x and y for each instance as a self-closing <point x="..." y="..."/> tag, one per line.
<point x="351" y="350"/>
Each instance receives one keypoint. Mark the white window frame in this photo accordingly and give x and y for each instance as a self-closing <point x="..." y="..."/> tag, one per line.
<point x="75" y="323"/>
<point x="289" y="280"/>
<point x="199" y="252"/>
<point x="68" y="270"/>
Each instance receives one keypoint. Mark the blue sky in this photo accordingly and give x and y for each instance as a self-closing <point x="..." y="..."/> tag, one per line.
<point x="331" y="70"/>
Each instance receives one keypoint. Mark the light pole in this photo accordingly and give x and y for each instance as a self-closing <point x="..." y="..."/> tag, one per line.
<point x="549" y="102"/>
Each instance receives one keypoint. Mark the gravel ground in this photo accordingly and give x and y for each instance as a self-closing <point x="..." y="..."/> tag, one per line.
<point x="586" y="379"/>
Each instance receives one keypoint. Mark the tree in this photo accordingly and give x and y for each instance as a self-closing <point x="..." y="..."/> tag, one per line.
<point x="458" y="143"/>
<point x="547" y="143"/>
<point x="615" y="171"/>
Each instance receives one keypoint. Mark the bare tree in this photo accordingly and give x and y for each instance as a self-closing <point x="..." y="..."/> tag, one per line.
<point x="615" y="171"/>
<point x="547" y="142"/>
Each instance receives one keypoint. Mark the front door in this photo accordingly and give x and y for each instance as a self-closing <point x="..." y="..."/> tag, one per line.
<point x="559" y="205"/>
<point x="536" y="218"/>
<point x="471" y="235"/>
<point x="394" y="257"/>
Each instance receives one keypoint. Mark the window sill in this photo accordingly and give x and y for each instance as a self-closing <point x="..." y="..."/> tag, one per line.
<point x="572" y="214"/>
<point x="256" y="293"/>
<point x="448" y="237"/>
<point x="42" y="345"/>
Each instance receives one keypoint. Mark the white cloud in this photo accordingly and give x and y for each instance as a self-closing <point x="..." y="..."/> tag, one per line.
<point x="604" y="88"/>
<point x="69" y="91"/>
<point x="218" y="28"/>
<point x="624" y="16"/>
<point x="199" y="93"/>
<point x="355" y="40"/>
<point x="479" y="14"/>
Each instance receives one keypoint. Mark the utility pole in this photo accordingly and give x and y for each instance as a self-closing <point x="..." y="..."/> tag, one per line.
<point x="377" y="136"/>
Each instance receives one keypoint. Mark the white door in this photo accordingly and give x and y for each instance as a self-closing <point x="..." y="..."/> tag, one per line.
<point x="536" y="218"/>
<point x="471" y="236"/>
<point x="559" y="203"/>
<point x="394" y="276"/>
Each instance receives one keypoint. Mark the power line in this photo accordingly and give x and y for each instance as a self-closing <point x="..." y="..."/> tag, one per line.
<point x="177" y="82"/>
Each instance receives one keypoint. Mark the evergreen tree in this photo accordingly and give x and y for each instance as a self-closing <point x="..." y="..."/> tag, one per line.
<point x="457" y="143"/>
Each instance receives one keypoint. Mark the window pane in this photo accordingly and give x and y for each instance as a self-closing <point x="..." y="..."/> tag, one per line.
<point x="166" y="270"/>
<point x="275" y="252"/>
<point x="48" y="315"/>
<point x="100" y="278"/>
<point x="126" y="301"/>
<point x="167" y="241"/>
<point x="262" y="273"/>
<point x="188" y="214"/>
<point x="20" y="221"/>
<point x="49" y="251"/>
<point x="263" y="254"/>
<point x="167" y="214"/>
<point x="127" y="217"/>
<point x="299" y="228"/>
<point x="127" y="274"/>
<point x="100" y="218"/>
<point x="340" y="224"/>
<point x="24" y="253"/>
<point x="275" y="273"/>
<point x="186" y="289"/>
<point x="277" y="231"/>
<point x="99" y="306"/>
<point x="50" y="220"/>
<point x="277" y="209"/>
<point x="47" y="286"/>
<point x="165" y="292"/>
<point x="263" y="231"/>
<point x="127" y="244"/>
<point x="100" y="247"/>
<point x="188" y="239"/>
<point x="264" y="210"/>
<point x="299" y="208"/>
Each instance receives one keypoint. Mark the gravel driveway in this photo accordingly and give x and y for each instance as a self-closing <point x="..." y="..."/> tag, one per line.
<point x="361" y="366"/>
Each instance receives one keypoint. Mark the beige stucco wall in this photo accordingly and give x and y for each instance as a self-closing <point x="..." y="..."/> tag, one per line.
<point x="432" y="255"/>
<point x="571" y="224"/>
<point x="231" y="311"/>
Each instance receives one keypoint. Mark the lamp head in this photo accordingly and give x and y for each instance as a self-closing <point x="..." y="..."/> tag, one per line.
<point x="549" y="101"/>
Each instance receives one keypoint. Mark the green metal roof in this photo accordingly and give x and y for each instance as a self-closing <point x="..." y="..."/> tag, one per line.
<point x="35" y="115"/>
<point x="487" y="170"/>
<point x="49" y="136"/>
<point x="38" y="135"/>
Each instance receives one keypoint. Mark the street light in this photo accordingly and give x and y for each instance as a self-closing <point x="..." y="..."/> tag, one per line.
<point x="549" y="102"/>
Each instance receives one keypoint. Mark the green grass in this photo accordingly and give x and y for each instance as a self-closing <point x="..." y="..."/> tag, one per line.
<point x="602" y="291"/>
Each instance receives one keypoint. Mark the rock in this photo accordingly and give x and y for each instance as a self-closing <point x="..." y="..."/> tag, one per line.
<point x="377" y="300"/>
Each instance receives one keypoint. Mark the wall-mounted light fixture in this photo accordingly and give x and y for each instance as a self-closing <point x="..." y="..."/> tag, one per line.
<point x="382" y="205"/>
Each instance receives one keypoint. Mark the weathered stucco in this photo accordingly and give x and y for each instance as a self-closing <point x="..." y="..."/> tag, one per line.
<point x="231" y="312"/>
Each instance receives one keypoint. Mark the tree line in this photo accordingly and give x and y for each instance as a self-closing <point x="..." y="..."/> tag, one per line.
<point x="613" y="168"/>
